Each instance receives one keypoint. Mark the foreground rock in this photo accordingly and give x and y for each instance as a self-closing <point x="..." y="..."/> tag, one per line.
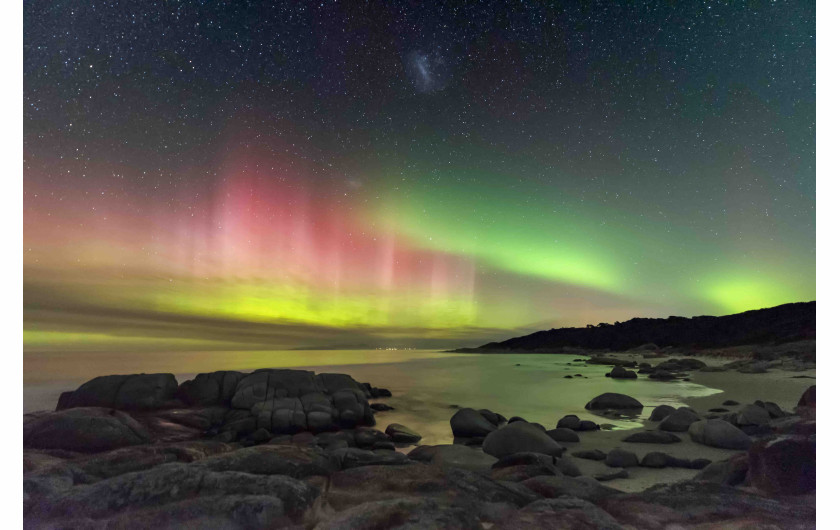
<point x="173" y="494"/>
<point x="470" y="423"/>
<point x="784" y="466"/>
<point x="232" y="405"/>
<point x="86" y="429"/>
<point x="706" y="505"/>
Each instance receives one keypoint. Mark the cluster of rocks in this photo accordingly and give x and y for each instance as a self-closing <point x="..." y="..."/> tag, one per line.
<point x="173" y="466"/>
<point x="679" y="368"/>
<point x="225" y="405"/>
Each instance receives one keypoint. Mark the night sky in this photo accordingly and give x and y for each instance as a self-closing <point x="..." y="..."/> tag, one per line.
<point x="240" y="175"/>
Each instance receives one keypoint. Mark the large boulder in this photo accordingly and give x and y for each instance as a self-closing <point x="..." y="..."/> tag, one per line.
<point x="784" y="466"/>
<point x="719" y="433"/>
<point x="611" y="400"/>
<point x="126" y="392"/>
<point x="469" y="423"/>
<point x="679" y="420"/>
<point x="520" y="437"/>
<point x="84" y="429"/>
<point x="216" y="388"/>
<point x="176" y="495"/>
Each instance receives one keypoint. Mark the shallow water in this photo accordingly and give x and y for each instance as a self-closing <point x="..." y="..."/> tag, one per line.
<point x="425" y="384"/>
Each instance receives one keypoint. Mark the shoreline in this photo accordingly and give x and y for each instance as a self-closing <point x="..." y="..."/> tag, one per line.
<point x="781" y="387"/>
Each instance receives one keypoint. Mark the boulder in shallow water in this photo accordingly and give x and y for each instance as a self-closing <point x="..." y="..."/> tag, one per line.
<point x="586" y="425"/>
<point x="611" y="400"/>
<point x="85" y="429"/>
<point x="569" y="421"/>
<point x="402" y="434"/>
<point x="520" y="437"/>
<point x="661" y="375"/>
<point x="469" y="423"/>
<point x="719" y="433"/>
<point x="620" y="372"/>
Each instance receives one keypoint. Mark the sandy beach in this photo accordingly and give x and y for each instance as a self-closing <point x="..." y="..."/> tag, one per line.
<point x="779" y="386"/>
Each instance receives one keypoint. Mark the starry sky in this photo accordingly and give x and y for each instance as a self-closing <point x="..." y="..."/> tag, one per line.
<point x="250" y="175"/>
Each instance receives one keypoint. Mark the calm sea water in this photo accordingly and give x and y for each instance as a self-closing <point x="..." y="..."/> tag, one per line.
<point x="426" y="384"/>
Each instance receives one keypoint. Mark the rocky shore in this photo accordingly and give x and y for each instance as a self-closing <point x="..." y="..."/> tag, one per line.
<point x="289" y="448"/>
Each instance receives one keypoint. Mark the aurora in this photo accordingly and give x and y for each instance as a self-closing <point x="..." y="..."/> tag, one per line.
<point x="219" y="190"/>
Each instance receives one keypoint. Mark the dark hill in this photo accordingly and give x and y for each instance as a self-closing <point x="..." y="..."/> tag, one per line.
<point x="784" y="323"/>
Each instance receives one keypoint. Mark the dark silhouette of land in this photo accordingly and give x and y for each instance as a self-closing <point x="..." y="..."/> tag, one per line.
<point x="780" y="324"/>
